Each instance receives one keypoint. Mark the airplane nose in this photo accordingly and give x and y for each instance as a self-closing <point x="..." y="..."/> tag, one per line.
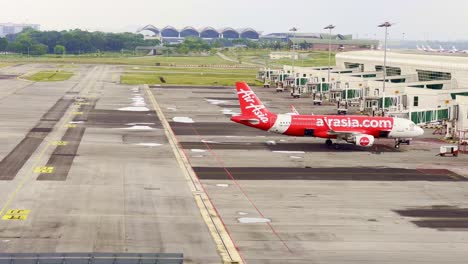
<point x="419" y="131"/>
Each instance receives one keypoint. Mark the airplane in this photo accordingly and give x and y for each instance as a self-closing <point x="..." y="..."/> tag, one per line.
<point x="453" y="50"/>
<point x="420" y="48"/>
<point x="429" y="48"/>
<point x="357" y="130"/>
<point x="441" y="49"/>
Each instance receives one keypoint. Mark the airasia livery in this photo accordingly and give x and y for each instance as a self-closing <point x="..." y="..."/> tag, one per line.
<point x="357" y="130"/>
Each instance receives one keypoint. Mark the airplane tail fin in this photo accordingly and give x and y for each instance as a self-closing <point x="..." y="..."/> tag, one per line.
<point x="249" y="103"/>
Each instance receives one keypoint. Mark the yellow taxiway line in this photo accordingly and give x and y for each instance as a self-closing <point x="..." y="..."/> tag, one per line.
<point x="221" y="237"/>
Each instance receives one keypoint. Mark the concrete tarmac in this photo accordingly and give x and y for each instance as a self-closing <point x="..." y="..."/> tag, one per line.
<point x="293" y="200"/>
<point x="93" y="173"/>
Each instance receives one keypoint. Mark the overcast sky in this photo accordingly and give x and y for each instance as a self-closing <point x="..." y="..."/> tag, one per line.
<point x="418" y="19"/>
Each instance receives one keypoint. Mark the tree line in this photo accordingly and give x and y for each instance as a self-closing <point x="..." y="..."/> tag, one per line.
<point x="77" y="41"/>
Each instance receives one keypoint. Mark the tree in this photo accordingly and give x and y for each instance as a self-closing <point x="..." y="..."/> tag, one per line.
<point x="38" y="49"/>
<point x="3" y="44"/>
<point x="59" y="49"/>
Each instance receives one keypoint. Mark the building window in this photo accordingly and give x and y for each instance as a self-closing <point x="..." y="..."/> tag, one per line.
<point x="425" y="76"/>
<point x="391" y="71"/>
<point x="416" y="101"/>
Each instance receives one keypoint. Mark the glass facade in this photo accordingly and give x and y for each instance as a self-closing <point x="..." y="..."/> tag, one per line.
<point x="425" y="76"/>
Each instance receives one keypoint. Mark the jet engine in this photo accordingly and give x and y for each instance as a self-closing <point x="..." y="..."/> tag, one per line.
<point x="364" y="141"/>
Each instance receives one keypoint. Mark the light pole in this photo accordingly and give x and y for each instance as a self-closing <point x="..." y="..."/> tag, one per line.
<point x="386" y="25"/>
<point x="330" y="27"/>
<point x="294" y="29"/>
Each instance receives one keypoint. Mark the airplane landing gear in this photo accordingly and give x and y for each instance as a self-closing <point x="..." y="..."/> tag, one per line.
<point x="328" y="142"/>
<point x="398" y="141"/>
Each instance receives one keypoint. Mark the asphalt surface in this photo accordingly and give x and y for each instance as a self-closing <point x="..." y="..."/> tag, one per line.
<point x="294" y="200"/>
<point x="97" y="174"/>
<point x="82" y="169"/>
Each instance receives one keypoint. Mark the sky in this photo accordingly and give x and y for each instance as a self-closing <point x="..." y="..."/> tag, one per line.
<point x="414" y="19"/>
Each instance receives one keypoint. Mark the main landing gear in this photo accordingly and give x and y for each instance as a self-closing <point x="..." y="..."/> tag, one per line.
<point x="398" y="141"/>
<point x="329" y="143"/>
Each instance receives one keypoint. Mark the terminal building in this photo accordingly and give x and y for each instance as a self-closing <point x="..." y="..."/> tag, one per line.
<point x="421" y="87"/>
<point x="11" y="28"/>
<point x="320" y="41"/>
<point x="172" y="33"/>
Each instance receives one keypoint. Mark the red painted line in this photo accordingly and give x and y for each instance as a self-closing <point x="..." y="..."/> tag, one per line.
<point x="221" y="163"/>
<point x="209" y="198"/>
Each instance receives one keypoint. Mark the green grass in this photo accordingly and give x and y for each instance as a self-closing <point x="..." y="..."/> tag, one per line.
<point x="233" y="71"/>
<point x="188" y="78"/>
<point x="50" y="76"/>
<point x="311" y="58"/>
<point x="122" y="60"/>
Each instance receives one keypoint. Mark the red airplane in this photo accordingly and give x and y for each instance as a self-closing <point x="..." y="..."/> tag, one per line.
<point x="357" y="130"/>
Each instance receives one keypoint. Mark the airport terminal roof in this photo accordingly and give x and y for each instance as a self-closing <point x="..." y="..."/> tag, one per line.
<point x="336" y="41"/>
<point x="406" y="58"/>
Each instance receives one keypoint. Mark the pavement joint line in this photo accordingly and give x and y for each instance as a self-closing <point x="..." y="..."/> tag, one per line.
<point x="224" y="243"/>
<point x="241" y="189"/>
<point x="65" y="119"/>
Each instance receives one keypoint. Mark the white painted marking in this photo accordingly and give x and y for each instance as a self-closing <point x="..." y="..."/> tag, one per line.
<point x="198" y="156"/>
<point x="223" y="185"/>
<point x="172" y="108"/>
<point x="252" y="220"/>
<point x="76" y="122"/>
<point x="289" y="152"/>
<point x="271" y="142"/>
<point x="208" y="141"/>
<point x="183" y="119"/>
<point x="242" y="213"/>
<point x="138" y="128"/>
<point x="136" y="124"/>
<point x="216" y="102"/>
<point x="198" y="150"/>
<point x="295" y="157"/>
<point x="229" y="112"/>
<point x="149" y="144"/>
<point x="134" y="109"/>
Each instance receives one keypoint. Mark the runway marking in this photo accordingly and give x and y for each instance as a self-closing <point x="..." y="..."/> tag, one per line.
<point x="44" y="169"/>
<point x="14" y="217"/>
<point x="60" y="143"/>
<point x="16" y="214"/>
<point x="70" y="126"/>
<point x="40" y="155"/>
<point x="222" y="238"/>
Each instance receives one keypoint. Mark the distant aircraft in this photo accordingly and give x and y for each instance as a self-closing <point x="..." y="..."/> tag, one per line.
<point x="430" y="49"/>
<point x="357" y="130"/>
<point x="453" y="50"/>
<point x="441" y="49"/>
<point x="419" y="48"/>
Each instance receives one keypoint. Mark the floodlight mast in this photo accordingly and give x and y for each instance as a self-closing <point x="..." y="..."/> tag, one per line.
<point x="294" y="30"/>
<point x="386" y="25"/>
<point x="330" y="27"/>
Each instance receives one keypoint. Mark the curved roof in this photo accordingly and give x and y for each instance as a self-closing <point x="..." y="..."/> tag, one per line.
<point x="208" y="28"/>
<point x="170" y="28"/>
<point x="150" y="27"/>
<point x="189" y="28"/>
<point x="222" y="30"/>
<point x="243" y="30"/>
